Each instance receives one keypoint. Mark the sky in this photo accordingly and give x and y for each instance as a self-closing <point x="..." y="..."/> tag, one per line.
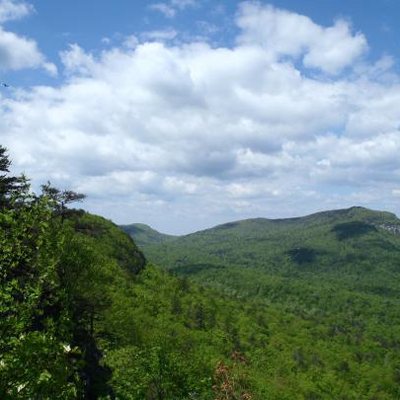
<point x="184" y="114"/>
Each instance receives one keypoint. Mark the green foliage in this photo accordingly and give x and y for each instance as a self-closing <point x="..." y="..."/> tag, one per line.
<point x="352" y="229"/>
<point x="98" y="261"/>
<point x="145" y="235"/>
<point x="302" y="255"/>
<point x="9" y="185"/>
<point x="59" y="272"/>
<point x="131" y="332"/>
<point x="326" y="290"/>
<point x="36" y="359"/>
<point x="60" y="199"/>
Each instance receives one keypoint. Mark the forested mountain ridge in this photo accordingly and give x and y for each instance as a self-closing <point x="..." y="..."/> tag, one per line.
<point x="337" y="271"/>
<point x="145" y="235"/>
<point x="164" y="337"/>
<point x="353" y="240"/>
<point x="354" y="250"/>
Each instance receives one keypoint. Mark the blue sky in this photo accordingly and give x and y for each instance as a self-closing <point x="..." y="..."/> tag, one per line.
<point x="188" y="113"/>
<point x="54" y="25"/>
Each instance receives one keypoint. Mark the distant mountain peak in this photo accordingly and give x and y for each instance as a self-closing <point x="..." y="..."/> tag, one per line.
<point x="145" y="235"/>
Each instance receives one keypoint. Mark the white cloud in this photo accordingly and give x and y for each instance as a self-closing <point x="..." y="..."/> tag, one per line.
<point x="396" y="192"/>
<point x="164" y="8"/>
<point x="18" y="52"/>
<point x="76" y="61"/>
<point x="158" y="132"/>
<point x="173" y="7"/>
<point x="131" y="41"/>
<point x="182" y="4"/>
<point x="160" y="35"/>
<point x="12" y="10"/>
<point x="283" y="33"/>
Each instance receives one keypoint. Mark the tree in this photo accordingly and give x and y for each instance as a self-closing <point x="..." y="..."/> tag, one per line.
<point x="61" y="198"/>
<point x="36" y="356"/>
<point x="9" y="185"/>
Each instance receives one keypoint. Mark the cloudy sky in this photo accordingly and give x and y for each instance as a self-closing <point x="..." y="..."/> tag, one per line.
<point x="188" y="113"/>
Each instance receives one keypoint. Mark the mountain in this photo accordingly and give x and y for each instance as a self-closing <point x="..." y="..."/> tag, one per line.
<point x="336" y="272"/>
<point x="323" y="241"/>
<point x="356" y="248"/>
<point x="303" y="312"/>
<point x="145" y="235"/>
<point x="93" y="319"/>
<point x="136" y="332"/>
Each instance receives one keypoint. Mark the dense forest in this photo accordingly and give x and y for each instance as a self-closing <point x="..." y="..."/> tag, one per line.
<point x="334" y="275"/>
<point x="305" y="308"/>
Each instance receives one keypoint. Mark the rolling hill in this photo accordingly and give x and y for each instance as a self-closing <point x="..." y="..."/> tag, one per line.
<point x="145" y="235"/>
<point x="353" y="249"/>
<point x="354" y="240"/>
<point x="338" y="271"/>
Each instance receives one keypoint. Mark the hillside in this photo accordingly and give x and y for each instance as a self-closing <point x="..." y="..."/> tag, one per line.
<point x="334" y="243"/>
<point x="161" y="336"/>
<point x="354" y="249"/>
<point x="336" y="271"/>
<point x="144" y="235"/>
<point x="261" y="334"/>
<point x="109" y="326"/>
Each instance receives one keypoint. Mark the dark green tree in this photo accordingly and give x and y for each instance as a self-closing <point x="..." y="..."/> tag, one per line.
<point x="60" y="199"/>
<point x="9" y="185"/>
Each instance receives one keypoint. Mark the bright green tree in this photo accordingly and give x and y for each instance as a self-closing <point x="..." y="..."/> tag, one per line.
<point x="36" y="356"/>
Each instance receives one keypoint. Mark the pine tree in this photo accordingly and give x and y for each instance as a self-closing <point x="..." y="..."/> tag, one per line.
<point x="9" y="185"/>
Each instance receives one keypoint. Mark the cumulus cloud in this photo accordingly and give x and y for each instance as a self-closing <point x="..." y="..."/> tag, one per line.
<point x="168" y="133"/>
<point x="76" y="61"/>
<point x="283" y="33"/>
<point x="18" y="52"/>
